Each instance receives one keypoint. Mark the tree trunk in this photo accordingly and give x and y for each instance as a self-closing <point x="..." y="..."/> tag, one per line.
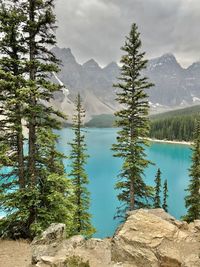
<point x="132" y="189"/>
<point x="20" y="152"/>
<point x="132" y="195"/>
<point x="79" y="166"/>
<point x="32" y="119"/>
<point x="19" y="131"/>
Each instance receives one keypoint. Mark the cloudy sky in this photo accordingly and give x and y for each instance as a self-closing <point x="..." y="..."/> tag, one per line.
<point x="96" y="28"/>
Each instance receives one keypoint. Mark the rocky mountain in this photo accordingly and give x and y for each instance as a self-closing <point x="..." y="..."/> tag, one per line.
<point x="148" y="238"/>
<point x="174" y="86"/>
<point x="90" y="80"/>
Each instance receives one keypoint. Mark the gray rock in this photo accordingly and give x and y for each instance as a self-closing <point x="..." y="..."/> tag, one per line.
<point x="47" y="242"/>
<point x="148" y="238"/>
<point x="197" y="224"/>
<point x="56" y="232"/>
<point x="154" y="238"/>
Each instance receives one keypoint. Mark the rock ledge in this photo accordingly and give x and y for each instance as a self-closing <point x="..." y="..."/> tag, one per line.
<point x="148" y="238"/>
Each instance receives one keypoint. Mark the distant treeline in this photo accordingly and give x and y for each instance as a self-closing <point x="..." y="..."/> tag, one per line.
<point x="171" y="125"/>
<point x="102" y="121"/>
<point x="175" y="125"/>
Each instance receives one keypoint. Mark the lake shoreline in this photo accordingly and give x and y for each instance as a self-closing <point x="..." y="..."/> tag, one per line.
<point x="169" y="141"/>
<point x="154" y="140"/>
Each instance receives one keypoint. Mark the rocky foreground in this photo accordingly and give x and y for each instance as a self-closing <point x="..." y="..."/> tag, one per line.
<point x="149" y="238"/>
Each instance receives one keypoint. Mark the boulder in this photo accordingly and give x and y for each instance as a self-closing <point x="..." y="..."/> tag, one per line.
<point x="148" y="238"/>
<point x="48" y="241"/>
<point x="55" y="233"/>
<point x="152" y="238"/>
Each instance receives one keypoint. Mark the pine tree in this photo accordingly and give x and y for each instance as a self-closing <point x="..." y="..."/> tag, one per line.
<point x="157" y="202"/>
<point x="134" y="124"/>
<point x="82" y="219"/>
<point x="55" y="190"/>
<point x="192" y="200"/>
<point x="12" y="83"/>
<point x="11" y="65"/>
<point x="41" y="62"/>
<point x="43" y="194"/>
<point x="165" y="196"/>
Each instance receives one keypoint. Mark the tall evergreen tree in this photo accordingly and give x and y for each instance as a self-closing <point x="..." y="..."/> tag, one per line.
<point x="157" y="202"/>
<point x="134" y="124"/>
<point x="41" y="62"/>
<point x="46" y="194"/>
<point x="192" y="200"/>
<point x="12" y="68"/>
<point x="165" y="196"/>
<point x="12" y="85"/>
<point x="54" y="189"/>
<point x="82" y="219"/>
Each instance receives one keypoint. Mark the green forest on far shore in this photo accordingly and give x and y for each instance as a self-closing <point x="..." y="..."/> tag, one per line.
<point x="172" y="125"/>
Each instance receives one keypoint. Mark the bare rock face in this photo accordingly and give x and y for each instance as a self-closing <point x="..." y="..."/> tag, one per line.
<point x="148" y="238"/>
<point x="152" y="238"/>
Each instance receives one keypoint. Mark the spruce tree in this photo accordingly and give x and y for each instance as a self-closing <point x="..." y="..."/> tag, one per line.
<point x="55" y="190"/>
<point x="12" y="84"/>
<point x="134" y="125"/>
<point x="82" y="219"/>
<point x="44" y="195"/>
<point x="165" y="196"/>
<point x="157" y="202"/>
<point x="41" y="62"/>
<point x="192" y="200"/>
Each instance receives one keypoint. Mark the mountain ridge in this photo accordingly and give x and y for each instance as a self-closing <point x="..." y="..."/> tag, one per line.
<point x="174" y="85"/>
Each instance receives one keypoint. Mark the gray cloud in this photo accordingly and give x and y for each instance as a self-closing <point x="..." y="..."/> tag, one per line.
<point x="96" y="28"/>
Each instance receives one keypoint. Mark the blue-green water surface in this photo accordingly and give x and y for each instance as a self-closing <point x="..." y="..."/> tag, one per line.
<point x="173" y="160"/>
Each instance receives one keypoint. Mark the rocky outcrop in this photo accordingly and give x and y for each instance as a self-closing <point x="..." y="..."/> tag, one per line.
<point x="154" y="238"/>
<point x="148" y="238"/>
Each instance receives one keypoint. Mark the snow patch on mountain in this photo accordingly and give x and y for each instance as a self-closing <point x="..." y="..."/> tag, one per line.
<point x="195" y="99"/>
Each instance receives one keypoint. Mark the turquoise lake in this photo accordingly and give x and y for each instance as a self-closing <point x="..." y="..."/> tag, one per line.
<point x="102" y="168"/>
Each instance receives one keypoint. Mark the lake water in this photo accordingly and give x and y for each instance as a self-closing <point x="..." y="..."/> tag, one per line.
<point x="173" y="160"/>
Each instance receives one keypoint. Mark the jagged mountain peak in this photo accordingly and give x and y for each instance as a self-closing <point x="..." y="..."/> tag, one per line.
<point x="112" y="65"/>
<point x="167" y="60"/>
<point x="164" y="57"/>
<point x="168" y="57"/>
<point x="64" y="54"/>
<point x="194" y="66"/>
<point x="111" y="70"/>
<point x="173" y="84"/>
<point x="67" y="51"/>
<point x="91" y="64"/>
